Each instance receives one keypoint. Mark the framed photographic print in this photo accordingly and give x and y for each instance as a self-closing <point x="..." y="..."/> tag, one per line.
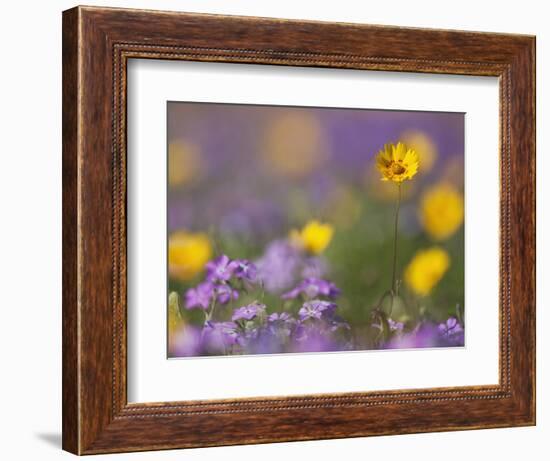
<point x="282" y="230"/>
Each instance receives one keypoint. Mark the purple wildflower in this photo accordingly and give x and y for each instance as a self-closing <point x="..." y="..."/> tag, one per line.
<point x="338" y="324"/>
<point x="281" y="325"/>
<point x="278" y="266"/>
<point x="245" y="270"/>
<point x="452" y="332"/>
<point x="279" y="317"/>
<point x="316" y="309"/>
<point x="217" y="335"/>
<point x="220" y="269"/>
<point x="200" y="296"/>
<point x="311" y="339"/>
<point x="424" y="335"/>
<point x="395" y="326"/>
<point x="248" y="312"/>
<point x="249" y="336"/>
<point x="224" y="293"/>
<point x="185" y="343"/>
<point x="312" y="288"/>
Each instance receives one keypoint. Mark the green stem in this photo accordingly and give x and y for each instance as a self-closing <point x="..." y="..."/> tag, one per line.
<point x="394" y="289"/>
<point x="210" y="313"/>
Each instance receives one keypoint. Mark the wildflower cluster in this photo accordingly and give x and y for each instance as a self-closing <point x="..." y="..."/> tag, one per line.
<point x="306" y="321"/>
<point x="425" y="334"/>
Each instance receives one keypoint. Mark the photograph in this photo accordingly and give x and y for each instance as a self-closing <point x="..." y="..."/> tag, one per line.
<point x="313" y="229"/>
<point x="275" y="230"/>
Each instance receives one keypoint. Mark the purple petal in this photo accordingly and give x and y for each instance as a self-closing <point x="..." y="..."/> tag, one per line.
<point x="451" y="322"/>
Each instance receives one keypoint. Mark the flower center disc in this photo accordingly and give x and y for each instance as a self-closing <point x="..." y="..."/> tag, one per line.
<point x="397" y="168"/>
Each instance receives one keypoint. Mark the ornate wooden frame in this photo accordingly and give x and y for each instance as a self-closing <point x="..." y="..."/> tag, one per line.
<point x="97" y="43"/>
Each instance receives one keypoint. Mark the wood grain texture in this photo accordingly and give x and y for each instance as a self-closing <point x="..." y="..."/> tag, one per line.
<point x="70" y="385"/>
<point x="97" y="43"/>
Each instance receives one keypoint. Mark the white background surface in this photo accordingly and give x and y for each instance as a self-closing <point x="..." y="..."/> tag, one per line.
<point x="152" y="378"/>
<point x="30" y="243"/>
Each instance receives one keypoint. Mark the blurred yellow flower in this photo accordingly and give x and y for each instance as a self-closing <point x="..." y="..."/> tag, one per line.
<point x="184" y="163"/>
<point x="441" y="211"/>
<point x="294" y="145"/>
<point x="314" y="237"/>
<point x="397" y="162"/>
<point x="426" y="270"/>
<point x="187" y="254"/>
<point x="423" y="145"/>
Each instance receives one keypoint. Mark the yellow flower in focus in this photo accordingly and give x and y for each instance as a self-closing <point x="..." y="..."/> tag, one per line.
<point x="397" y="162"/>
<point x="426" y="270"/>
<point x="423" y="146"/>
<point x="314" y="237"/>
<point x="187" y="254"/>
<point x="184" y="163"/>
<point x="441" y="211"/>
